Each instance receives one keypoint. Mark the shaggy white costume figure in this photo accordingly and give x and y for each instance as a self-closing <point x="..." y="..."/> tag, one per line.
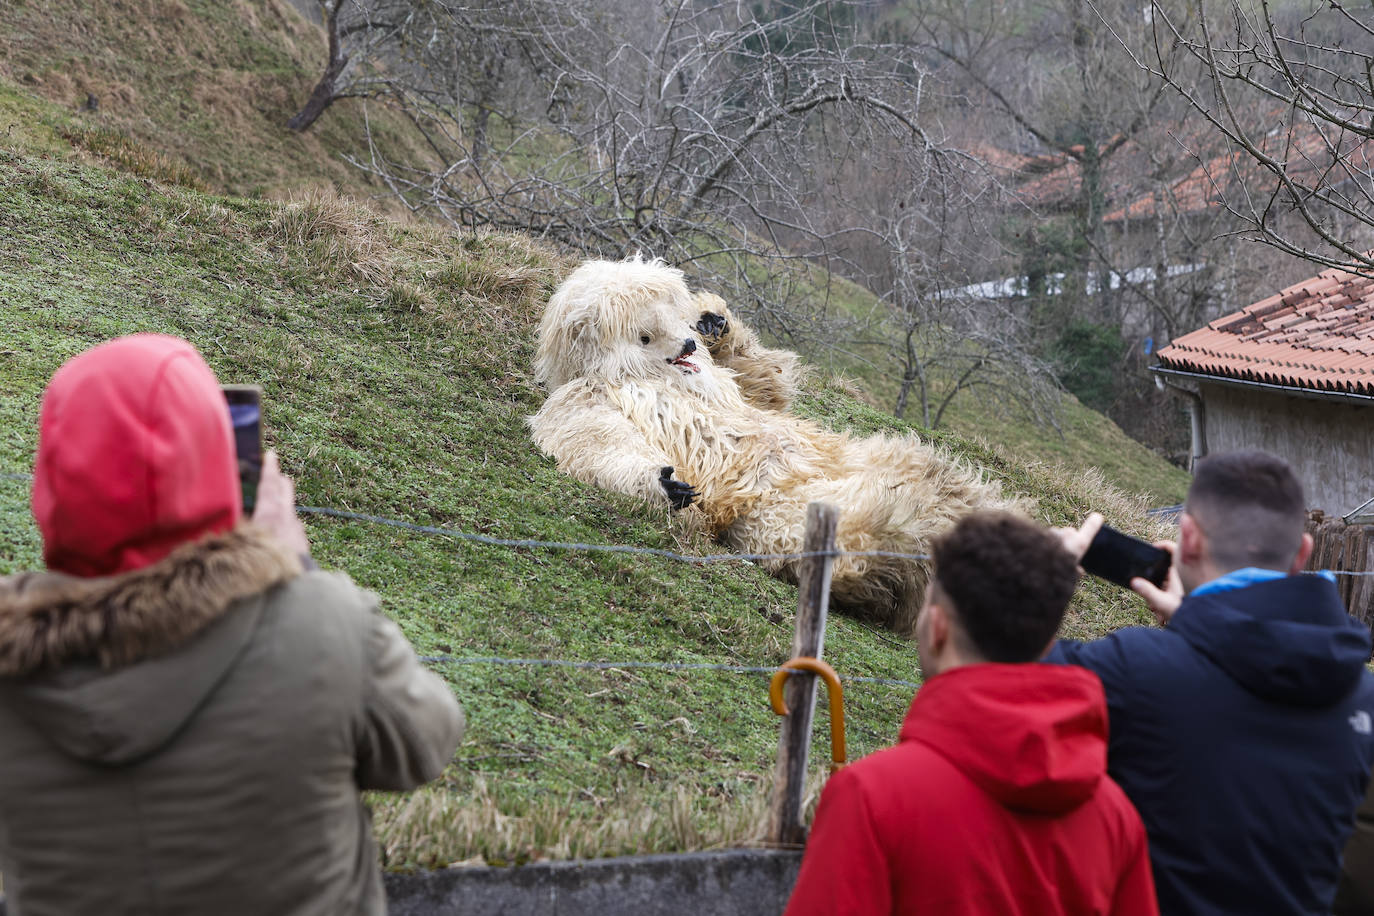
<point x="669" y="398"/>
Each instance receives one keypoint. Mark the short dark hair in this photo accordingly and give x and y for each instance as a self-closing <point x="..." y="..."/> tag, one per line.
<point x="1250" y="508"/>
<point x="1009" y="581"/>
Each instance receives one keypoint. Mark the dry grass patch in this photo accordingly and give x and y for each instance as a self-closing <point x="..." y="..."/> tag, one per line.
<point x="436" y="827"/>
<point x="131" y="156"/>
<point x="335" y="234"/>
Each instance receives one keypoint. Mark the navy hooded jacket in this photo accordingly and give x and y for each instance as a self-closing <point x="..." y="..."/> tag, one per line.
<point x="1242" y="732"/>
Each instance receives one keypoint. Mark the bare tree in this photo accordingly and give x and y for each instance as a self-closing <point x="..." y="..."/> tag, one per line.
<point x="451" y="52"/>
<point x="684" y="129"/>
<point x="354" y="37"/>
<point x="947" y="336"/>
<point x="1122" y="240"/>
<point x="1055" y="74"/>
<point x="1298" y="178"/>
<point x="714" y="134"/>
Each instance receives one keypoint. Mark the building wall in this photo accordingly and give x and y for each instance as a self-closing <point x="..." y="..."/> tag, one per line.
<point x="1330" y="444"/>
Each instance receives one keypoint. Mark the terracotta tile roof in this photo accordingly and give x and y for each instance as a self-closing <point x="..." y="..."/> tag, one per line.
<point x="1309" y="154"/>
<point x="1318" y="334"/>
<point x="1002" y="159"/>
<point x="1201" y="189"/>
<point x="1051" y="181"/>
<point x="1057" y="188"/>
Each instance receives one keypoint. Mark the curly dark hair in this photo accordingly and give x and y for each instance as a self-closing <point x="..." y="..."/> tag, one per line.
<point x="1009" y="581"/>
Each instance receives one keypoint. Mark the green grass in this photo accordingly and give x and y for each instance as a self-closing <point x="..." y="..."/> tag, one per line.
<point x="395" y="365"/>
<point x="207" y="84"/>
<point x="394" y="362"/>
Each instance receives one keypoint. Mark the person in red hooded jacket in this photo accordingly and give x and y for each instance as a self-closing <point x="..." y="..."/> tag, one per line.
<point x="996" y="797"/>
<point x="188" y="708"/>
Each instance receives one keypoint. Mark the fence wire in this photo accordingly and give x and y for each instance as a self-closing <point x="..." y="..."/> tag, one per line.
<point x="598" y="548"/>
<point x="574" y="546"/>
<point x="656" y="666"/>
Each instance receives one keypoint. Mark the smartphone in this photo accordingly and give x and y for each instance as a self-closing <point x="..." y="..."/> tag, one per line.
<point x="1120" y="558"/>
<point x="245" y="414"/>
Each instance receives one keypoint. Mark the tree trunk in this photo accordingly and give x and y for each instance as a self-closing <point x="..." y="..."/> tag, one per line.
<point x="319" y="100"/>
<point x="479" y="131"/>
<point x="900" y="410"/>
<point x="325" y="90"/>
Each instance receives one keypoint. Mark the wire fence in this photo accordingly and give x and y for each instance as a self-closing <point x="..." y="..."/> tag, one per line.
<point x="574" y="546"/>
<point x="530" y="543"/>
<point x="655" y="666"/>
<point x="535" y="544"/>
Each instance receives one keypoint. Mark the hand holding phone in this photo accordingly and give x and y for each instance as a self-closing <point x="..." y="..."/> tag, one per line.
<point x="276" y="509"/>
<point x="1162" y="598"/>
<point x="245" y="415"/>
<point x="1119" y="558"/>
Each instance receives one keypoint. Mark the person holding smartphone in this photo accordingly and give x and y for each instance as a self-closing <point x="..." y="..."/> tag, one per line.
<point x="1241" y="729"/>
<point x="188" y="708"/>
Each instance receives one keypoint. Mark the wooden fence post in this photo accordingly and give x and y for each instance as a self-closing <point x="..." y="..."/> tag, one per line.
<point x="1361" y="603"/>
<point x="789" y="776"/>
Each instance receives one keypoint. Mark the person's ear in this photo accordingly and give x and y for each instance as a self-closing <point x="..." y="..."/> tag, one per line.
<point x="937" y="628"/>
<point x="1190" y="539"/>
<point x="1304" y="552"/>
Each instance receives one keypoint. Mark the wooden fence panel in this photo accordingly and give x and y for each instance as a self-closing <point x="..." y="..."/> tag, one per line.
<point x="1346" y="548"/>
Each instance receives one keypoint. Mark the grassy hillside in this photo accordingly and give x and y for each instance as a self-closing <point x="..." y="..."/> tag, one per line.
<point x="206" y="86"/>
<point x="394" y="360"/>
<point x="1084" y="439"/>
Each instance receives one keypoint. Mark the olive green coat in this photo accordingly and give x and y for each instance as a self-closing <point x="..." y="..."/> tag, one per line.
<point x="191" y="737"/>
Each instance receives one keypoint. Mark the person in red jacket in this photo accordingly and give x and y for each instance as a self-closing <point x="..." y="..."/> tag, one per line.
<point x="996" y="797"/>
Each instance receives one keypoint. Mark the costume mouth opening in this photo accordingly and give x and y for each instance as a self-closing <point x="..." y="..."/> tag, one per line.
<point x="683" y="361"/>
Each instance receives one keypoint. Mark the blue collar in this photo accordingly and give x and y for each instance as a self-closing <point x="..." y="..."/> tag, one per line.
<point x="1250" y="575"/>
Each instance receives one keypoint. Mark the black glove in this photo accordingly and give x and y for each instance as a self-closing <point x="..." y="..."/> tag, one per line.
<point x="712" y="327"/>
<point x="679" y="494"/>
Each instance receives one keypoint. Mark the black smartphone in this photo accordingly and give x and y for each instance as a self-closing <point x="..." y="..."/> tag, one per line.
<point x="1120" y="558"/>
<point x="245" y="415"/>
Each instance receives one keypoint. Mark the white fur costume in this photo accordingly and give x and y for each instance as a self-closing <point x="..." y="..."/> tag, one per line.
<point x="629" y="396"/>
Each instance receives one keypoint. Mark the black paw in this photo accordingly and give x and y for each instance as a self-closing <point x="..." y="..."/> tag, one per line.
<point x="712" y="327"/>
<point x="679" y="494"/>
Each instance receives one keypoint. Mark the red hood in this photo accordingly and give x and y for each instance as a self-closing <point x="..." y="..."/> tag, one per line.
<point x="135" y="457"/>
<point x="1033" y="736"/>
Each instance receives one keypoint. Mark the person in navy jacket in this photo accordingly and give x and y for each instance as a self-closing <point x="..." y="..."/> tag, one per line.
<point x="1242" y="729"/>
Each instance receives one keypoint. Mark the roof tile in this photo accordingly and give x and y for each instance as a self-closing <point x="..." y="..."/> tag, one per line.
<point x="1318" y="334"/>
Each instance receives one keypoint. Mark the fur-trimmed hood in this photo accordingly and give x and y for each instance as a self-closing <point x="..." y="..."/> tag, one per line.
<point x="109" y="668"/>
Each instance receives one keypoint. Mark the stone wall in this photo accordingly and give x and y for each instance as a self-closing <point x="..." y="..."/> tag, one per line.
<point x="726" y="883"/>
<point x="732" y="882"/>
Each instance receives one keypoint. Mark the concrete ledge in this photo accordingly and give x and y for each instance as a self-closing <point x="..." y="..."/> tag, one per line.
<point x="737" y="882"/>
<point x="732" y="882"/>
